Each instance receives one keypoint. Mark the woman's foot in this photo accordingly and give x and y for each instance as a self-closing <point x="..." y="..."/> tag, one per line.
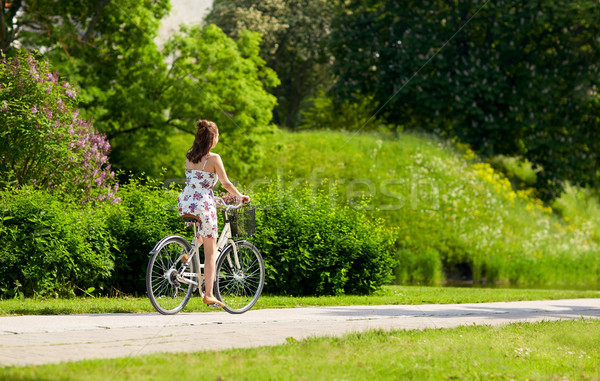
<point x="212" y="301"/>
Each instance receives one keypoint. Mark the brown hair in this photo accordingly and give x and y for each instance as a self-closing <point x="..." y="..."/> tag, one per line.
<point x="205" y="136"/>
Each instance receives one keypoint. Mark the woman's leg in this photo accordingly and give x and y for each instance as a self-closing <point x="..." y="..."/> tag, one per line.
<point x="210" y="248"/>
<point x="199" y="238"/>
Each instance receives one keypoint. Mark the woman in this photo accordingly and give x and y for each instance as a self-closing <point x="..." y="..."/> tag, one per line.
<point x="202" y="170"/>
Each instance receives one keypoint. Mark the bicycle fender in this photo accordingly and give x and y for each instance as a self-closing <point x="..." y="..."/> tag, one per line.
<point x="176" y="237"/>
<point x="229" y="245"/>
<point x="226" y="247"/>
<point x="224" y="250"/>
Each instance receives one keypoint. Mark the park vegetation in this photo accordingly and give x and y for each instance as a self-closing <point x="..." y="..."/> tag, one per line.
<point x="505" y="77"/>
<point x="462" y="150"/>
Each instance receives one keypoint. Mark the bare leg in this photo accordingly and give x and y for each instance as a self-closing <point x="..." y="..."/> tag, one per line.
<point x="210" y="248"/>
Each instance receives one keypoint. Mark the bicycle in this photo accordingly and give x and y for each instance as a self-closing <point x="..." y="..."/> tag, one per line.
<point x="174" y="270"/>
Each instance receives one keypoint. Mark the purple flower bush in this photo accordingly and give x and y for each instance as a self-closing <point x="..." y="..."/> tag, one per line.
<point x="44" y="142"/>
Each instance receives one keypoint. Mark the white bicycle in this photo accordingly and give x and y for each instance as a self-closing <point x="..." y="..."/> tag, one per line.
<point x="175" y="272"/>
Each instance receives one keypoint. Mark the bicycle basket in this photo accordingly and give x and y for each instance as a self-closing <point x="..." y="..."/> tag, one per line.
<point x="242" y="221"/>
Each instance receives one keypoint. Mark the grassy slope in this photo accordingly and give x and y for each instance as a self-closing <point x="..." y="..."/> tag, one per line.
<point x="452" y="214"/>
<point x="448" y="209"/>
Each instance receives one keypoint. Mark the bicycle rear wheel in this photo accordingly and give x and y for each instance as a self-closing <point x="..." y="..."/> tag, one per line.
<point x="240" y="277"/>
<point x="167" y="293"/>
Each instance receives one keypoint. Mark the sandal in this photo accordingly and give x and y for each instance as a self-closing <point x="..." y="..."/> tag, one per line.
<point x="213" y="302"/>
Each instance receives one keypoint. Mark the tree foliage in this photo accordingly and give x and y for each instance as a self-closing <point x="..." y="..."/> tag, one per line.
<point x="513" y="78"/>
<point x="43" y="141"/>
<point x="326" y="112"/>
<point x="107" y="49"/>
<point x="294" y="44"/>
<point x="216" y="78"/>
<point x="137" y="94"/>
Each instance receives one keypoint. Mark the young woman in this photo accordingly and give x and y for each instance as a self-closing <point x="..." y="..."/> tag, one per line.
<point x="202" y="170"/>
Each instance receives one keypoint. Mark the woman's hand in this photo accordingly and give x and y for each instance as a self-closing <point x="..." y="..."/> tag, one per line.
<point x="245" y="199"/>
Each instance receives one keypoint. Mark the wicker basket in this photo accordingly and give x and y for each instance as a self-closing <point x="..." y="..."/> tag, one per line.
<point x="242" y="221"/>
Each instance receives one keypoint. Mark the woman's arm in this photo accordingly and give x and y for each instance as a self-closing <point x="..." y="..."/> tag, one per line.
<point x="220" y="168"/>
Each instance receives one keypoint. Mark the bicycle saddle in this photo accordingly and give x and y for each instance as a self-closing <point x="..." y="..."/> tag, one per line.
<point x="190" y="218"/>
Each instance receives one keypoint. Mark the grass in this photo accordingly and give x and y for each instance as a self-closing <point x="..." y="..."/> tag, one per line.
<point x="451" y="210"/>
<point x="387" y="295"/>
<point x="564" y="350"/>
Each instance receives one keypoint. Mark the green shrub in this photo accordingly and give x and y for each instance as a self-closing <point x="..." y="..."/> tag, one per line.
<point x="147" y="213"/>
<point x="312" y="246"/>
<point x="519" y="171"/>
<point x="581" y="207"/>
<point x="44" y="142"/>
<point x="56" y="247"/>
<point x="51" y="246"/>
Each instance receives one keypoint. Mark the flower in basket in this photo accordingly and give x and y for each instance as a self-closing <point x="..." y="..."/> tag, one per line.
<point x="229" y="199"/>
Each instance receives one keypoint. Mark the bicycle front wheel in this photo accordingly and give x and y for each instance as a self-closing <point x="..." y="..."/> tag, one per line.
<point x="166" y="290"/>
<point x="240" y="277"/>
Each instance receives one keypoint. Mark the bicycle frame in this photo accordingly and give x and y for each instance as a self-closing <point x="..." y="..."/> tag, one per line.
<point x="175" y="270"/>
<point x="224" y="239"/>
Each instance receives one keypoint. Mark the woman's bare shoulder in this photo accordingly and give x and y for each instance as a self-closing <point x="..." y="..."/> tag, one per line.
<point x="214" y="158"/>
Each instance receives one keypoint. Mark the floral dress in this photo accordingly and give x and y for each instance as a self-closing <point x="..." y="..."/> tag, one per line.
<point x="197" y="198"/>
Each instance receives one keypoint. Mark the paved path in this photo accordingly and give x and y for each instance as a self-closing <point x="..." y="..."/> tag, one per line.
<point x="47" y="339"/>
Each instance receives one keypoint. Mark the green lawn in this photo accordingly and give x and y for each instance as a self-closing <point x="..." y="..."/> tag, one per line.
<point x="566" y="350"/>
<point x="387" y="295"/>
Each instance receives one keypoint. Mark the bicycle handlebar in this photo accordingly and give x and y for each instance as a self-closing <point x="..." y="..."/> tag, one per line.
<point x="228" y="207"/>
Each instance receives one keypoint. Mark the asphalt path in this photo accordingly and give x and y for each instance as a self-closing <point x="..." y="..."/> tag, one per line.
<point x="31" y="340"/>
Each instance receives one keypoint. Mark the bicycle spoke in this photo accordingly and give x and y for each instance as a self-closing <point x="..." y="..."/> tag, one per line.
<point x="167" y="294"/>
<point x="162" y="288"/>
<point x="240" y="287"/>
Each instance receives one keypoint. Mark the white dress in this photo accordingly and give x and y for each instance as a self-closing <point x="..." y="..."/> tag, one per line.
<point x="197" y="198"/>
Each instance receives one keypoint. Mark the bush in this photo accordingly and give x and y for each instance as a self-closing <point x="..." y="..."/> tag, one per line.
<point x="313" y="247"/>
<point x="43" y="142"/>
<point x="520" y="172"/>
<point x="147" y="213"/>
<point x="581" y="207"/>
<point x="56" y="247"/>
<point x="50" y="247"/>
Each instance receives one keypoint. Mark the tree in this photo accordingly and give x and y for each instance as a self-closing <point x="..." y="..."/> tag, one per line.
<point x="107" y="49"/>
<point x="213" y="77"/>
<point x="513" y="78"/>
<point x="48" y="19"/>
<point x="132" y="92"/>
<point x="8" y="28"/>
<point x="294" y="35"/>
<point x="43" y="141"/>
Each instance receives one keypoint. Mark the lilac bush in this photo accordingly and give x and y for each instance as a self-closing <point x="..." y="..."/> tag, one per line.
<point x="44" y="142"/>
